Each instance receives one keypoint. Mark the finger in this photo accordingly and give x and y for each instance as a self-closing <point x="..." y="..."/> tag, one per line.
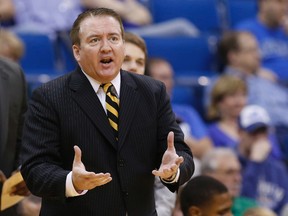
<point x="170" y="140"/>
<point x="156" y="173"/>
<point x="78" y="154"/>
<point x="179" y="160"/>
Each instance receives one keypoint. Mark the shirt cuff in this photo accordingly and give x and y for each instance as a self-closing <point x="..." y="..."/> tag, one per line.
<point x="70" y="190"/>
<point x="172" y="180"/>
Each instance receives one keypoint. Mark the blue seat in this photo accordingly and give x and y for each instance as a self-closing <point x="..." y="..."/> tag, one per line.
<point x="183" y="95"/>
<point x="38" y="62"/>
<point x="184" y="53"/>
<point x="239" y="10"/>
<point x="203" y="14"/>
<point x="39" y="53"/>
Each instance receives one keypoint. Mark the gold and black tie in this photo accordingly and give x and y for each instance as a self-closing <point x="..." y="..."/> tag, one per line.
<point x="112" y="106"/>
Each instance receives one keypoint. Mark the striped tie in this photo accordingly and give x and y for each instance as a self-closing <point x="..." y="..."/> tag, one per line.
<point x="112" y="106"/>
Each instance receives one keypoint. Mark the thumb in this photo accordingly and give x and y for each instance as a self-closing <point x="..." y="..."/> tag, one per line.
<point x="170" y="141"/>
<point x="77" y="156"/>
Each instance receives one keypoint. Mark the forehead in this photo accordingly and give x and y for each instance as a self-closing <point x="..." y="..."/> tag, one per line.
<point x="247" y="39"/>
<point x="132" y="49"/>
<point x="220" y="203"/>
<point x="229" y="162"/>
<point x="103" y="24"/>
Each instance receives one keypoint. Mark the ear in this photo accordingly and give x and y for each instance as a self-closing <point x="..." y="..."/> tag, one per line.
<point x="194" y="211"/>
<point x="76" y="52"/>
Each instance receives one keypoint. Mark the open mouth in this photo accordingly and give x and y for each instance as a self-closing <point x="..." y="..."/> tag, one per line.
<point x="106" y="60"/>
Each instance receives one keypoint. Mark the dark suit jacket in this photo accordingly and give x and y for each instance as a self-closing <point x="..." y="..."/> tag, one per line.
<point x="12" y="109"/>
<point x="67" y="112"/>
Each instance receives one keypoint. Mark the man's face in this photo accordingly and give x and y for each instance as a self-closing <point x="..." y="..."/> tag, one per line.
<point x="163" y="71"/>
<point x="229" y="173"/>
<point x="134" y="60"/>
<point x="101" y="50"/>
<point x="248" y="56"/>
<point x="220" y="205"/>
<point x="273" y="11"/>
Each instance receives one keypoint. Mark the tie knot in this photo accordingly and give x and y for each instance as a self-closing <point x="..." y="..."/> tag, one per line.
<point x="108" y="87"/>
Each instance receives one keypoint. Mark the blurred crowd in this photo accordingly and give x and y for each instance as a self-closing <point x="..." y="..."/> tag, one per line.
<point x="239" y="138"/>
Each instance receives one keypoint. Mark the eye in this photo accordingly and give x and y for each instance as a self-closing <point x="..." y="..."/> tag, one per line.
<point x="114" y="39"/>
<point x="140" y="62"/>
<point x="94" y="40"/>
<point x="127" y="58"/>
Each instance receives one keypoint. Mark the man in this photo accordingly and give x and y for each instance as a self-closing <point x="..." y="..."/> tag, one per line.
<point x="204" y="195"/>
<point x="268" y="29"/>
<point x="119" y="160"/>
<point x="12" y="109"/>
<point x="135" y="54"/>
<point x="264" y="178"/>
<point x="223" y="165"/>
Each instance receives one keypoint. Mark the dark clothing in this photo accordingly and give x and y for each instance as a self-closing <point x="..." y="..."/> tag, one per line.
<point x="67" y="112"/>
<point x="12" y="109"/>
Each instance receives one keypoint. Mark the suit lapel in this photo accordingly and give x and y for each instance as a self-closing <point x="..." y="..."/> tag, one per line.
<point x="88" y="101"/>
<point x="129" y="98"/>
<point x="4" y="107"/>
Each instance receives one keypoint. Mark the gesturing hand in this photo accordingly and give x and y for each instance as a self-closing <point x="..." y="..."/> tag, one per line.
<point x="84" y="180"/>
<point x="170" y="160"/>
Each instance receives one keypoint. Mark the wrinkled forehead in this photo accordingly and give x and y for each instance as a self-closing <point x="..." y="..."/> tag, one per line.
<point x="101" y="24"/>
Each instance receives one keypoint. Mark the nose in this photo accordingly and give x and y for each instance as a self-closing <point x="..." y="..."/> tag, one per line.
<point x="105" y="46"/>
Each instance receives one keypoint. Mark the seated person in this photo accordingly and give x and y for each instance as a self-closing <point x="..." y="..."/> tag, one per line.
<point x="135" y="53"/>
<point x="223" y="164"/>
<point x="227" y="99"/>
<point x="264" y="178"/>
<point x="204" y="195"/>
<point x="267" y="27"/>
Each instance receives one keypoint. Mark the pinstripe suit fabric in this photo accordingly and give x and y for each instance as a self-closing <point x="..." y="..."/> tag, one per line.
<point x="67" y="112"/>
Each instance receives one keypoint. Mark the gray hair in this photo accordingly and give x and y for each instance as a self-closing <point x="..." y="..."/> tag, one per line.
<point x="210" y="161"/>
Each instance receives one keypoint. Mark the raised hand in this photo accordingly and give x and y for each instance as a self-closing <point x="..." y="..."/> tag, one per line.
<point x="170" y="161"/>
<point x="84" y="180"/>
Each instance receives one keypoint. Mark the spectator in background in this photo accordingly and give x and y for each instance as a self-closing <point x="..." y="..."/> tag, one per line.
<point x="264" y="178"/>
<point x="227" y="99"/>
<point x="223" y="165"/>
<point x="132" y="12"/>
<point x="6" y="10"/>
<point x="12" y="110"/>
<point x="192" y="125"/>
<point x="259" y="211"/>
<point x="238" y="52"/>
<point x="138" y="19"/>
<point x="135" y="53"/>
<point x="11" y="46"/>
<point x="56" y="17"/>
<point x="268" y="29"/>
<point x="204" y="195"/>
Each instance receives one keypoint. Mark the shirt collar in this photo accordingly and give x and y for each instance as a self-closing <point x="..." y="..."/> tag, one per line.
<point x="95" y="84"/>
